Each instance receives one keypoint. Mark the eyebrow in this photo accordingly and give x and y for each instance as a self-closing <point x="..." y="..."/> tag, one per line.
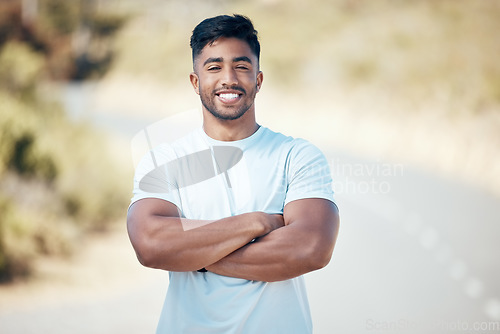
<point x="220" y="60"/>
<point x="243" y="58"/>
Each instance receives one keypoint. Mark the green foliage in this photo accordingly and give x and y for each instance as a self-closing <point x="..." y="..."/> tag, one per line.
<point x="74" y="36"/>
<point x="20" y="67"/>
<point x="15" y="255"/>
<point x="19" y="149"/>
<point x="58" y="179"/>
<point x="91" y="185"/>
<point x="107" y="24"/>
<point x="60" y="16"/>
<point x="25" y="234"/>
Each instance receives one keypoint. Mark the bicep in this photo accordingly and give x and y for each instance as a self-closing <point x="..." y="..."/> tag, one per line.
<point x="316" y="218"/>
<point x="152" y="207"/>
<point x="142" y="217"/>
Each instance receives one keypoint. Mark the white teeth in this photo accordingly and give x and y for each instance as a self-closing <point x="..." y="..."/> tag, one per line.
<point x="228" y="96"/>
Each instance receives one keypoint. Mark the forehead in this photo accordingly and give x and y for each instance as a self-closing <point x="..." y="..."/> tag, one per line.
<point x="227" y="49"/>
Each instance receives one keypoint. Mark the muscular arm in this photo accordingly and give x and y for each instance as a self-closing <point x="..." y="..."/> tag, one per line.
<point x="163" y="240"/>
<point x="304" y="244"/>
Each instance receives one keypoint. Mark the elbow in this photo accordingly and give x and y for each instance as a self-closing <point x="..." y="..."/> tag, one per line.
<point x="318" y="256"/>
<point x="307" y="260"/>
<point x="146" y="251"/>
<point x="146" y="259"/>
<point x="150" y="257"/>
<point x="145" y="255"/>
<point x="321" y="251"/>
<point x="165" y="257"/>
<point x="144" y="244"/>
<point x="320" y="260"/>
<point x="143" y="260"/>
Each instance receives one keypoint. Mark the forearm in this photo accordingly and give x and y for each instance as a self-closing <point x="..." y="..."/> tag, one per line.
<point x="165" y="244"/>
<point x="282" y="254"/>
<point x="305" y="244"/>
<point x="163" y="240"/>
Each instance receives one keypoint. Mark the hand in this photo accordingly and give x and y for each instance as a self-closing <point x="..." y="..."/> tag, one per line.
<point x="271" y="222"/>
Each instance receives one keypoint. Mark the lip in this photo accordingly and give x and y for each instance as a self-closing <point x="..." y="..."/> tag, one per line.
<point x="229" y="91"/>
<point x="230" y="100"/>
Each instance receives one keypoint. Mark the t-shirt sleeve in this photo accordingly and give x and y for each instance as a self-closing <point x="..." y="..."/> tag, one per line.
<point x="152" y="180"/>
<point x="308" y="173"/>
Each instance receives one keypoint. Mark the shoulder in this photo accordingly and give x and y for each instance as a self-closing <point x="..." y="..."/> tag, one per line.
<point x="166" y="152"/>
<point x="269" y="136"/>
<point x="303" y="154"/>
<point x="295" y="146"/>
<point x="272" y="139"/>
<point x="289" y="141"/>
<point x="181" y="146"/>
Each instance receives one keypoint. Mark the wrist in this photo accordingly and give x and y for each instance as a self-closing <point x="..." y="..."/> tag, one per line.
<point x="260" y="223"/>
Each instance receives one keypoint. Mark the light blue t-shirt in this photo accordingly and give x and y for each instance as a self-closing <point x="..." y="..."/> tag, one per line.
<point x="210" y="179"/>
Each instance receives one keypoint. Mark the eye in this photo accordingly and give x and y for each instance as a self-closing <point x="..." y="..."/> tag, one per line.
<point x="242" y="67"/>
<point x="213" y="68"/>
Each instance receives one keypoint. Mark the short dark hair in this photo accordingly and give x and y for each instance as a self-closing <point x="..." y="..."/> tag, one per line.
<point x="211" y="29"/>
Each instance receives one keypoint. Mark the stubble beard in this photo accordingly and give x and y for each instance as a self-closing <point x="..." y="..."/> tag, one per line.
<point x="209" y="104"/>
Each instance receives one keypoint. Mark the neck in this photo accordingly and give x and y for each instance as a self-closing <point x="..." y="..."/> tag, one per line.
<point x="229" y="130"/>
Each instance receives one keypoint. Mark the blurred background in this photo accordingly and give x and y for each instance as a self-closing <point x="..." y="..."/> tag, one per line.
<point x="402" y="96"/>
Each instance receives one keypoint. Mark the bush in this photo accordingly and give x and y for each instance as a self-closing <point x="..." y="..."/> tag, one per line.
<point x="20" y="67"/>
<point x="58" y="181"/>
<point x="16" y="254"/>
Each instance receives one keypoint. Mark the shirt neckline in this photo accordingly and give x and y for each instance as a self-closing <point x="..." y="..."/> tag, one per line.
<point x="242" y="142"/>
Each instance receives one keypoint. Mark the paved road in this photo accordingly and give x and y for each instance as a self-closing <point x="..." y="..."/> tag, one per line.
<point x="416" y="254"/>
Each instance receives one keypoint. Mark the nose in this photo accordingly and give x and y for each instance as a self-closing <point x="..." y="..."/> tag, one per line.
<point x="229" y="77"/>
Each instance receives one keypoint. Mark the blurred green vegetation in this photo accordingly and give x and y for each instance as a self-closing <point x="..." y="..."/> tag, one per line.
<point x="58" y="180"/>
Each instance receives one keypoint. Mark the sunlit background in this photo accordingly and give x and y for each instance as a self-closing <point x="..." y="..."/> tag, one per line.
<point x="402" y="96"/>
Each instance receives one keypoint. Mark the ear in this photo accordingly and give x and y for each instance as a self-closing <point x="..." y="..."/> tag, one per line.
<point x="260" y="78"/>
<point x="195" y="81"/>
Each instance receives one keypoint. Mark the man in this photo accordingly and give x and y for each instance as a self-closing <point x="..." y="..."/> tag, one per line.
<point x="235" y="212"/>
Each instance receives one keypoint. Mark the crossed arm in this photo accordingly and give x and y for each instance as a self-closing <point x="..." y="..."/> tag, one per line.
<point x="300" y="241"/>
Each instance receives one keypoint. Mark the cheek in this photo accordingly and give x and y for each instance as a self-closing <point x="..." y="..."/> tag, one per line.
<point x="205" y="85"/>
<point x="204" y="92"/>
<point x="201" y="86"/>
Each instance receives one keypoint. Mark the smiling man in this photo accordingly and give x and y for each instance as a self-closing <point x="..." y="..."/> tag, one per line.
<point x="237" y="239"/>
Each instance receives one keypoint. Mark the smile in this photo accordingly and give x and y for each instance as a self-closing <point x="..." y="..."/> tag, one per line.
<point x="229" y="97"/>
